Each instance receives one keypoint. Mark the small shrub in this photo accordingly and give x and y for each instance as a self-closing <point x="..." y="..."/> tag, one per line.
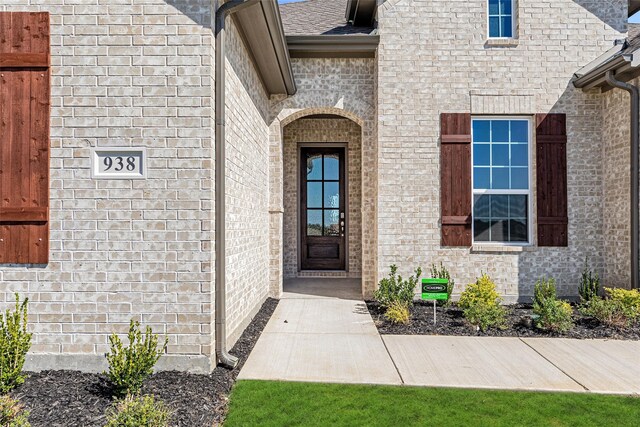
<point x="629" y="300"/>
<point x="398" y="312"/>
<point x="129" y="366"/>
<point x="394" y="289"/>
<point x="589" y="284"/>
<point x="441" y="272"/>
<point x="480" y="303"/>
<point x="621" y="307"/>
<point x="553" y="315"/>
<point x="15" y="342"/>
<point x="12" y="413"/>
<point x="137" y="411"/>
<point x="605" y="311"/>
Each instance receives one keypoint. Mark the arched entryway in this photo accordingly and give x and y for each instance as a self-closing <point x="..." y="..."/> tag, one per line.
<point x="353" y="127"/>
<point x="322" y="197"/>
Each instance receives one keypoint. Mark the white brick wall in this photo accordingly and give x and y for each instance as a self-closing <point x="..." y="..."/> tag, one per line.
<point x="616" y="157"/>
<point x="247" y="188"/>
<point x="433" y="64"/>
<point x="342" y="87"/>
<point x="140" y="74"/>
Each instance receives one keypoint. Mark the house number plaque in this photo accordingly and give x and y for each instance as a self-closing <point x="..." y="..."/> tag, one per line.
<point x="118" y="163"/>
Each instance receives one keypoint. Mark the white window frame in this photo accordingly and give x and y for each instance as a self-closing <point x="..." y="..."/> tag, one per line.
<point x="513" y="22"/>
<point x="528" y="192"/>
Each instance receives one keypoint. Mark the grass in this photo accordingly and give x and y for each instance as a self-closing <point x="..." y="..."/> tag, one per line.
<point x="268" y="403"/>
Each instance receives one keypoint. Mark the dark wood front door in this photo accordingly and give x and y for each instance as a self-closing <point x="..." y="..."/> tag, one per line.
<point x="322" y="209"/>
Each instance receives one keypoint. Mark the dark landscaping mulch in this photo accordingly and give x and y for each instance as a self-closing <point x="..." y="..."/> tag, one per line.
<point x="71" y="398"/>
<point x="450" y="321"/>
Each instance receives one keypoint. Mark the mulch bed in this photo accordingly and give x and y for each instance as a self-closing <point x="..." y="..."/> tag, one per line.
<point x="72" y="398"/>
<point x="450" y="321"/>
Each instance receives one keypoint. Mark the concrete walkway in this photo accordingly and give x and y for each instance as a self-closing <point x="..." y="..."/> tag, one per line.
<point x="322" y="332"/>
<point x="314" y="336"/>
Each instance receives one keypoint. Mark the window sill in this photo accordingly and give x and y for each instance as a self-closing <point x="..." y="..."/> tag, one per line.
<point x="497" y="249"/>
<point x="502" y="42"/>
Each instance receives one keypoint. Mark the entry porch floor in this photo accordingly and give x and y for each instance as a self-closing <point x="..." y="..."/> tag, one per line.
<point x="321" y="331"/>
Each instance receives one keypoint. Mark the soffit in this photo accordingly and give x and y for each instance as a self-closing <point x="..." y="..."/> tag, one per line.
<point x="262" y="31"/>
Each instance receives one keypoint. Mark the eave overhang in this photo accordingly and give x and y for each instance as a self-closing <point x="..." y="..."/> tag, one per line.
<point x="333" y="46"/>
<point x="634" y="6"/>
<point x="261" y="28"/>
<point x="626" y="66"/>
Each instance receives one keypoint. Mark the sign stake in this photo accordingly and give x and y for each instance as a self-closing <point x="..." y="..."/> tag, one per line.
<point x="434" y="312"/>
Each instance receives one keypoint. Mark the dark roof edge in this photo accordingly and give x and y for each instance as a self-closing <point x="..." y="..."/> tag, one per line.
<point x="634" y="6"/>
<point x="621" y="59"/>
<point x="333" y="46"/>
<point x="597" y="77"/>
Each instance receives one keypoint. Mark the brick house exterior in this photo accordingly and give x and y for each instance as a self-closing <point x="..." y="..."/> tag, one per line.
<point x="375" y="82"/>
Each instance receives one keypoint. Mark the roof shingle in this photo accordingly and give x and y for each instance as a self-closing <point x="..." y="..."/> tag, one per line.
<point x="315" y="17"/>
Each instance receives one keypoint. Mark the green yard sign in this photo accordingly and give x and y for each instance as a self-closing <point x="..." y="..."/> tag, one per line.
<point x="434" y="289"/>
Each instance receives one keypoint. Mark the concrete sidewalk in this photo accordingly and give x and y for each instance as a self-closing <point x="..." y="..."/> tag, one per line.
<point x="317" y="336"/>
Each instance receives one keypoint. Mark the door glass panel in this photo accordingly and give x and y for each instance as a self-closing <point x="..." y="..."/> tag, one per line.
<point x="314" y="194"/>
<point x="314" y="166"/>
<point x="331" y="167"/>
<point x="331" y="222"/>
<point x="332" y="195"/>
<point x="314" y="222"/>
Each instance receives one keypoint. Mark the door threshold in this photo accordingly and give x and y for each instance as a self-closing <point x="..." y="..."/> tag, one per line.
<point x="323" y="273"/>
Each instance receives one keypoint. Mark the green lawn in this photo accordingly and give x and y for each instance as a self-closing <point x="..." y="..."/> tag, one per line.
<point x="267" y="403"/>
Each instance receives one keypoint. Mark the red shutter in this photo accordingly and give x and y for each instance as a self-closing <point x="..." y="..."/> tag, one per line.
<point x="455" y="178"/>
<point x="24" y="137"/>
<point x="551" y="179"/>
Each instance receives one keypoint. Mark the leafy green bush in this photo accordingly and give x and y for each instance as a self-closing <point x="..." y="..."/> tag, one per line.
<point x="606" y="311"/>
<point x="15" y="342"/>
<point x="398" y="312"/>
<point x="629" y="300"/>
<point x="553" y="314"/>
<point x="12" y="413"/>
<point x="129" y="366"/>
<point x="138" y="411"/>
<point x="394" y="289"/>
<point x="441" y="272"/>
<point x="621" y="308"/>
<point x="480" y="303"/>
<point x="589" y="284"/>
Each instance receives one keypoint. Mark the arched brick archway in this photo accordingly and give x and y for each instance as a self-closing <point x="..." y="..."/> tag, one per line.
<point x="364" y="254"/>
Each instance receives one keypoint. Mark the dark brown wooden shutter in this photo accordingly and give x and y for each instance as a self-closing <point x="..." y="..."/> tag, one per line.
<point x="24" y="137"/>
<point x="551" y="179"/>
<point x="455" y="178"/>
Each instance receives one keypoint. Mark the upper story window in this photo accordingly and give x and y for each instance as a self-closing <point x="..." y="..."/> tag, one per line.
<point x="502" y="197"/>
<point x="501" y="18"/>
